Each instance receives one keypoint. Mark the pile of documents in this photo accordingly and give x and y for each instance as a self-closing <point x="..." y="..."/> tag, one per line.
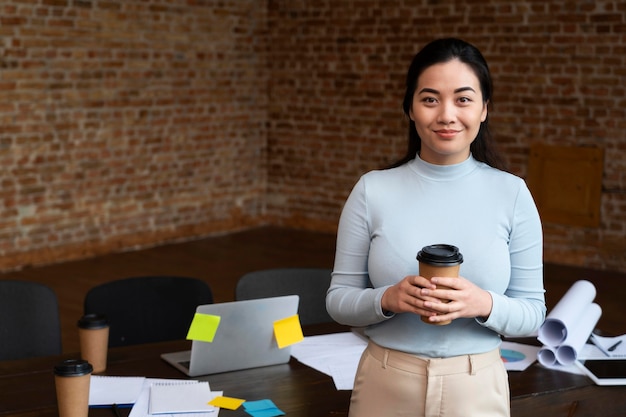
<point x="169" y="397"/>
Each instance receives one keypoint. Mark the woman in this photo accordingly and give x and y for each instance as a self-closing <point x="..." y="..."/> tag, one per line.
<point x="449" y="188"/>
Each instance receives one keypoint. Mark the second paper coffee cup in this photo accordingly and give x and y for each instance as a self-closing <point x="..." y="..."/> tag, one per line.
<point x="72" y="379"/>
<point x="439" y="260"/>
<point x="93" y="334"/>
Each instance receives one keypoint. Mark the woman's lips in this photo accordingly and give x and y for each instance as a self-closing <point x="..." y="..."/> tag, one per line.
<point x="444" y="133"/>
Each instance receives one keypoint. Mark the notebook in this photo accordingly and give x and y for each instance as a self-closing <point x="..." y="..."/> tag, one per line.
<point x="244" y="338"/>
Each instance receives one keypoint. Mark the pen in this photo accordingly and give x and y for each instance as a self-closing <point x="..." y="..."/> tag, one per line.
<point x="116" y="410"/>
<point x="612" y="348"/>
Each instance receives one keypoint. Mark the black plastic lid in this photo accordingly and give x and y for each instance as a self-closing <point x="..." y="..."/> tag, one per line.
<point x="440" y="255"/>
<point x="93" y="321"/>
<point x="73" y="367"/>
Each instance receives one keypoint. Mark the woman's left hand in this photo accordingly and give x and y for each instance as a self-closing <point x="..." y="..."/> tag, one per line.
<point x="466" y="299"/>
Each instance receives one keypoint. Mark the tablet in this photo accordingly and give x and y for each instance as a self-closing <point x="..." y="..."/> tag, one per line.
<point x="605" y="371"/>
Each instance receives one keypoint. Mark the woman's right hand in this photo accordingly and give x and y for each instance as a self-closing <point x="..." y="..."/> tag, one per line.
<point x="405" y="296"/>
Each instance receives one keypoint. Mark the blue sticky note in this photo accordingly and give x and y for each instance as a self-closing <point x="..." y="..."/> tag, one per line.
<point x="262" y="408"/>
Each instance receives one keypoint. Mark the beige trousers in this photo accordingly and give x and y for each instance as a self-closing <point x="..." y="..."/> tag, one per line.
<point x="392" y="383"/>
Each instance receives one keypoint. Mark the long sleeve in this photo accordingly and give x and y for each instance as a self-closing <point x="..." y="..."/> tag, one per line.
<point x="521" y="309"/>
<point x="351" y="300"/>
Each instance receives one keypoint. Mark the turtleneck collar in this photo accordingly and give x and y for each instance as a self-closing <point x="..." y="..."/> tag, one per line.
<point x="443" y="172"/>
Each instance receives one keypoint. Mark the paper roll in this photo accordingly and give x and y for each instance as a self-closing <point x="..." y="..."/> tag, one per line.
<point x="567" y="353"/>
<point x="546" y="356"/>
<point x="567" y="313"/>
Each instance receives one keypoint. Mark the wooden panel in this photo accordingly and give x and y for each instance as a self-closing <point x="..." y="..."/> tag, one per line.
<point x="566" y="183"/>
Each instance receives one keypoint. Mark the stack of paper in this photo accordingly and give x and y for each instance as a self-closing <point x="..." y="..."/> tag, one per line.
<point x="170" y="398"/>
<point x="153" y="396"/>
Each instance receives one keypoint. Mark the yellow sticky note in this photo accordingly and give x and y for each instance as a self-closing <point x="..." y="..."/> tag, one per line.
<point x="288" y="331"/>
<point x="203" y="327"/>
<point x="229" y="403"/>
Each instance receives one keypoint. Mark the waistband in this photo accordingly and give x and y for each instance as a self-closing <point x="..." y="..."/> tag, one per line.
<point x="433" y="366"/>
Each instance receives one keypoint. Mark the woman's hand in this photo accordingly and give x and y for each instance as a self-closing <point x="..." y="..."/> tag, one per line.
<point x="465" y="299"/>
<point x="406" y="296"/>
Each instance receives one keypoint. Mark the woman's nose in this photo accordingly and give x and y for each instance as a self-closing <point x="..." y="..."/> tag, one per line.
<point x="447" y="113"/>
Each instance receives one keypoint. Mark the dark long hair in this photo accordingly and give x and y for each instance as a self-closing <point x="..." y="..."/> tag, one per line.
<point x="444" y="50"/>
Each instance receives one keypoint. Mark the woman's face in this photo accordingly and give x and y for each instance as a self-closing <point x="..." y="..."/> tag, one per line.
<point x="447" y="110"/>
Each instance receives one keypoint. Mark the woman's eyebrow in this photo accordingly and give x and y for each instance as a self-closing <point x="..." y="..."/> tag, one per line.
<point x="458" y="90"/>
<point x="428" y="90"/>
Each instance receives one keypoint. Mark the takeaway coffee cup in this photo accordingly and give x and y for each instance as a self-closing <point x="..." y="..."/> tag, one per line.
<point x="439" y="260"/>
<point x="71" y="379"/>
<point x="93" y="334"/>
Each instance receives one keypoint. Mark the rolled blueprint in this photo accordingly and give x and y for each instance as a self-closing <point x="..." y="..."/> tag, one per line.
<point x="568" y="351"/>
<point x="567" y="314"/>
<point x="547" y="356"/>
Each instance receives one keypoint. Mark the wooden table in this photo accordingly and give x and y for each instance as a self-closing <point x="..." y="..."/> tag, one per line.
<point x="27" y="387"/>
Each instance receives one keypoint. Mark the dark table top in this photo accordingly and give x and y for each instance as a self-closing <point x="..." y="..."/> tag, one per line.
<point x="27" y="386"/>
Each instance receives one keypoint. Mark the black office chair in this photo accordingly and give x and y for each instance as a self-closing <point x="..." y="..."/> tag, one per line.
<point x="310" y="284"/>
<point x="29" y="320"/>
<point x="148" y="309"/>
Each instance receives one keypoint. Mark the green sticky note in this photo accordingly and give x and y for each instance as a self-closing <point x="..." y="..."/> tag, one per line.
<point x="203" y="327"/>
<point x="288" y="331"/>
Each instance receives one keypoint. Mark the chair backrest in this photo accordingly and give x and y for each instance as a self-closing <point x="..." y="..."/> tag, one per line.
<point x="148" y="309"/>
<point x="29" y="320"/>
<point x="311" y="284"/>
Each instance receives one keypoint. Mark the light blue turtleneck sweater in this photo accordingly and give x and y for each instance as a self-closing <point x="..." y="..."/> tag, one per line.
<point x="390" y="215"/>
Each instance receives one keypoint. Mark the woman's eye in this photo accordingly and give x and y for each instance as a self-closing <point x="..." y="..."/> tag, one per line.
<point x="429" y="100"/>
<point x="465" y="100"/>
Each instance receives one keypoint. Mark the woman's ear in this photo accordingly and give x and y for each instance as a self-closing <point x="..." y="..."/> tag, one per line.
<point x="483" y="115"/>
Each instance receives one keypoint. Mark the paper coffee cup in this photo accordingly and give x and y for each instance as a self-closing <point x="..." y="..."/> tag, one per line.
<point x="440" y="260"/>
<point x="93" y="334"/>
<point x="71" y="380"/>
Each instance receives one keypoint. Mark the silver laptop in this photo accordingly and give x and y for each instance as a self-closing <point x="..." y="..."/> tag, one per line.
<point x="244" y="337"/>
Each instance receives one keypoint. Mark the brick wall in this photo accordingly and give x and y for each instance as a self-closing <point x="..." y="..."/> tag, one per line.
<point x="132" y="123"/>
<point x="336" y="86"/>
<point x="128" y="123"/>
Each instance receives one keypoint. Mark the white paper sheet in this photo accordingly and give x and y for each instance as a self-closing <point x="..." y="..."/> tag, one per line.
<point x="109" y="390"/>
<point x="335" y="354"/>
<point x="518" y="356"/>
